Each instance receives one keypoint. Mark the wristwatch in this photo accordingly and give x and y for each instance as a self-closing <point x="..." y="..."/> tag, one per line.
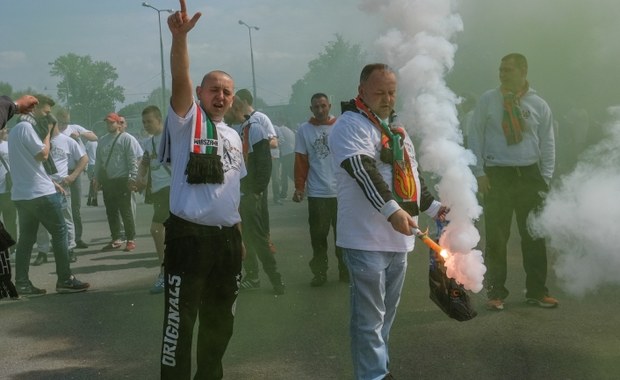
<point x="16" y="107"/>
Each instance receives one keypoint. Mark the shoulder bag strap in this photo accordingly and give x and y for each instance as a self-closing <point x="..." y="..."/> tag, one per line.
<point x="105" y="166"/>
<point x="154" y="152"/>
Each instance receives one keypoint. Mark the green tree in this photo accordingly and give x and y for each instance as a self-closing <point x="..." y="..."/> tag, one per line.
<point x="134" y="110"/>
<point x="86" y="87"/>
<point x="6" y="89"/>
<point x="335" y="72"/>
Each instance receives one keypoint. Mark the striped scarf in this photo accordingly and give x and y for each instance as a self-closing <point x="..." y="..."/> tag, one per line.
<point x="512" y="121"/>
<point x="393" y="152"/>
<point x="204" y="165"/>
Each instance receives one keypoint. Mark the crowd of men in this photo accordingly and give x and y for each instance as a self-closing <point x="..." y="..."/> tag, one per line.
<point x="358" y="173"/>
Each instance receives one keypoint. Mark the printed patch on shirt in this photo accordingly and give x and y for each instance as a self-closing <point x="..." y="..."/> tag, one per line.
<point x="525" y="113"/>
<point x="232" y="156"/>
<point x="320" y="146"/>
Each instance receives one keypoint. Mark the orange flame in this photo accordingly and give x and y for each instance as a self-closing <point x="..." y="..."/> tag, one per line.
<point x="430" y="242"/>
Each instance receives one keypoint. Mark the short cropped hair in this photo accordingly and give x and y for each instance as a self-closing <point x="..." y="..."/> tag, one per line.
<point x="210" y="73"/>
<point x="371" y="68"/>
<point x="45" y="100"/>
<point x="318" y="95"/>
<point x="245" y="95"/>
<point x="152" y="110"/>
<point x="519" y="60"/>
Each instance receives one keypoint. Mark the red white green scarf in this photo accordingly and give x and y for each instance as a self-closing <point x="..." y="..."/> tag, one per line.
<point x="512" y="121"/>
<point x="393" y="152"/>
<point x="204" y="165"/>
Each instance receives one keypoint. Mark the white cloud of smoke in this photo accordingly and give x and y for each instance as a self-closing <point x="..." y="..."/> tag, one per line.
<point x="419" y="47"/>
<point x="581" y="215"/>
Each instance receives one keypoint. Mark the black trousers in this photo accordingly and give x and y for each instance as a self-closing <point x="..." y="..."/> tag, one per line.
<point x="202" y="269"/>
<point x="117" y="200"/>
<point x="322" y="214"/>
<point x="256" y="238"/>
<point x="76" y="206"/>
<point x="518" y="191"/>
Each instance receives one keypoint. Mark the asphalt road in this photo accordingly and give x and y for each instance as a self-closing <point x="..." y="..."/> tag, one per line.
<point x="113" y="331"/>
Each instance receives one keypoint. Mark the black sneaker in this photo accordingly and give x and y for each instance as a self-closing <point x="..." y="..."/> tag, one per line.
<point x="72" y="285"/>
<point x="29" y="290"/>
<point x="318" y="280"/>
<point x="248" y="284"/>
<point x="278" y="288"/>
<point x="80" y="244"/>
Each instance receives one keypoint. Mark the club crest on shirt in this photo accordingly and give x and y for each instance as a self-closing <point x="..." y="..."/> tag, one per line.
<point x="231" y="156"/>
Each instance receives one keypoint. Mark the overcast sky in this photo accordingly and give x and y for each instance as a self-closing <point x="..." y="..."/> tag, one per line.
<point x="125" y="34"/>
<point x="571" y="45"/>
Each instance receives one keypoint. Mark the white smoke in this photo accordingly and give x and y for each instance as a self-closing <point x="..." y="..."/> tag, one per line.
<point x="419" y="48"/>
<point x="581" y="215"/>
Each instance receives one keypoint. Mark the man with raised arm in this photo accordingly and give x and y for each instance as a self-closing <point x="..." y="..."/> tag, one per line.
<point x="204" y="250"/>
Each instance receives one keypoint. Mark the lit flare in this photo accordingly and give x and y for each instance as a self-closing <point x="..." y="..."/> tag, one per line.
<point x="430" y="242"/>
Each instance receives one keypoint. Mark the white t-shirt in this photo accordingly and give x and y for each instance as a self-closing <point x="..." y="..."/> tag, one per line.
<point x="91" y="151"/>
<point x="257" y="133"/>
<point x="312" y="141"/>
<point x="275" y="152"/>
<point x="263" y="120"/>
<point x="30" y="180"/>
<point x="79" y="130"/>
<point x="66" y="153"/>
<point x="206" y="204"/>
<point x="74" y="128"/>
<point x="286" y="141"/>
<point x="360" y="225"/>
<point x="160" y="176"/>
<point x="4" y="152"/>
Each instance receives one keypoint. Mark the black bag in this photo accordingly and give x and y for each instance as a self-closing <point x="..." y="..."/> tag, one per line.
<point x="9" y="182"/>
<point x="445" y="292"/>
<point x="7" y="288"/>
<point x="148" y="193"/>
<point x="102" y="175"/>
<point x="6" y="240"/>
<point x="7" y="178"/>
<point x="92" y="195"/>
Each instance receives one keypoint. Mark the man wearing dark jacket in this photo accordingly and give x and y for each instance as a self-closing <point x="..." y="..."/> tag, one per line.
<point x="257" y="155"/>
<point x="8" y="108"/>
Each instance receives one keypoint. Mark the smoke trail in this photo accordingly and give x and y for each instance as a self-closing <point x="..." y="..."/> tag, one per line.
<point x="580" y="217"/>
<point x="419" y="48"/>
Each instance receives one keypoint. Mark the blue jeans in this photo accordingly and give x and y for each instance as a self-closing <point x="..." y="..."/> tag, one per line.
<point x="376" y="280"/>
<point x="46" y="210"/>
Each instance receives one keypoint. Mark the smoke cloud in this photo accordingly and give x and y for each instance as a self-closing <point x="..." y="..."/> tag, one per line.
<point x="580" y="217"/>
<point x="419" y="47"/>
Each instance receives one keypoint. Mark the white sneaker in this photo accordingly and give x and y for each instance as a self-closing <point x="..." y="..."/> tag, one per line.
<point x="158" y="286"/>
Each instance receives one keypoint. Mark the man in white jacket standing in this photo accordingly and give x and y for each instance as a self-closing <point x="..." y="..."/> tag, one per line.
<point x="511" y="134"/>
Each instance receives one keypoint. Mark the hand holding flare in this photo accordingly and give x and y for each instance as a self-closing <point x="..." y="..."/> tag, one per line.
<point x="430" y="242"/>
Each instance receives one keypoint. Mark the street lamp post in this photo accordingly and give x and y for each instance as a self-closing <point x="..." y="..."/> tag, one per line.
<point x="161" y="53"/>
<point x="250" y="27"/>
